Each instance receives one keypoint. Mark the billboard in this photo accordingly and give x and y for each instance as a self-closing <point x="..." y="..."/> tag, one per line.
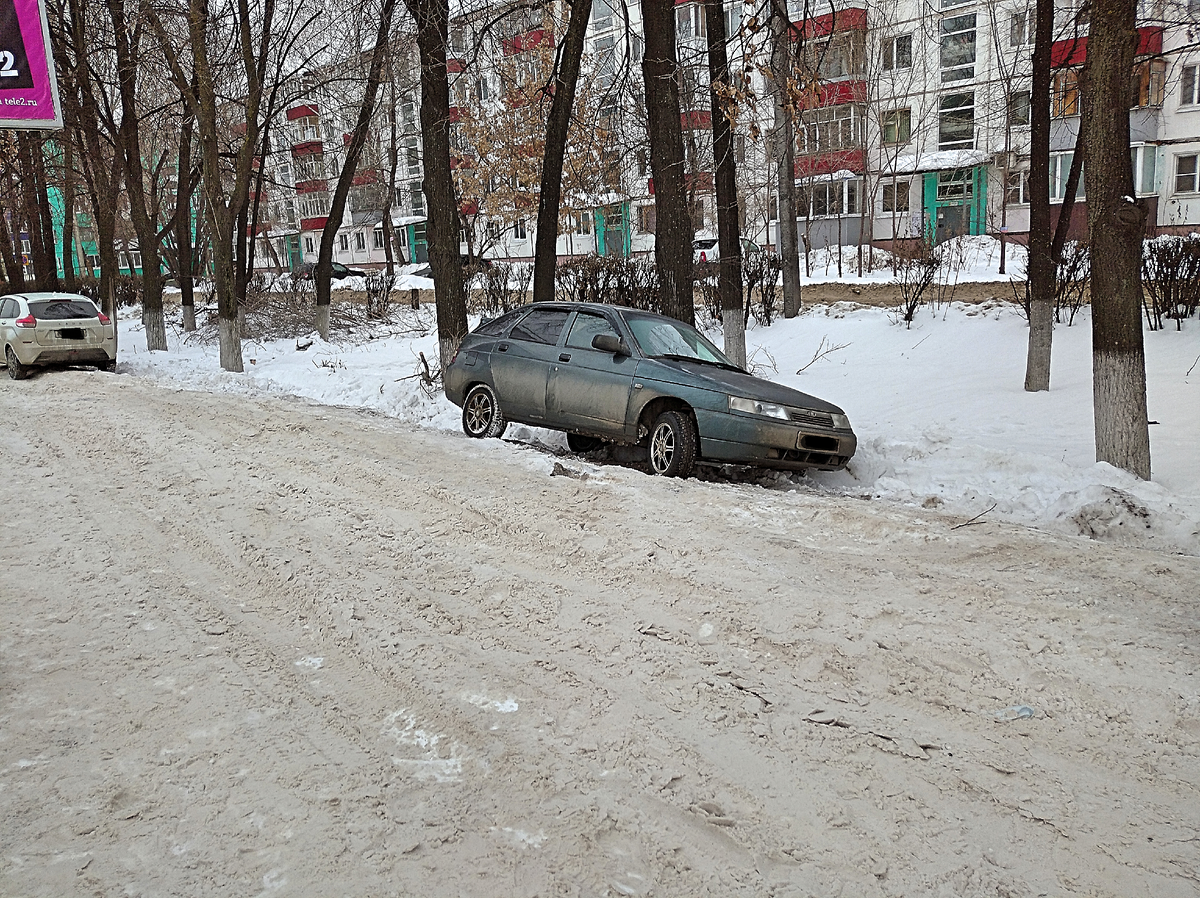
<point x="28" y="86"/>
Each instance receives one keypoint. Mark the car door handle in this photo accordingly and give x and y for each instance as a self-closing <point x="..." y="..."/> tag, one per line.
<point x="565" y="357"/>
<point x="503" y="347"/>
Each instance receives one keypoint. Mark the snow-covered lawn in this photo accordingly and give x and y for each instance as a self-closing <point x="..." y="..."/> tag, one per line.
<point x="940" y="410"/>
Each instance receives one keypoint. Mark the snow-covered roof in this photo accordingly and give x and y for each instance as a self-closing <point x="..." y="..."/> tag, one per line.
<point x="942" y="160"/>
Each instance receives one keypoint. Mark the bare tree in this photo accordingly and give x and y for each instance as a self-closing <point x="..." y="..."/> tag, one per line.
<point x="729" y="235"/>
<point x="565" y="81"/>
<point x="358" y="139"/>
<point x="782" y="63"/>
<point x="433" y="19"/>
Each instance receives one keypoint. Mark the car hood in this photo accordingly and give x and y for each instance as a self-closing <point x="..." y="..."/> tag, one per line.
<point x="735" y="383"/>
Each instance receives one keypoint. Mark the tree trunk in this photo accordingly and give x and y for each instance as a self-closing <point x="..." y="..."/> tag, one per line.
<point x="1041" y="264"/>
<point x="1116" y="223"/>
<point x="32" y="187"/>
<point x="11" y="257"/>
<point x="183" y="225"/>
<point x="785" y="152"/>
<point x="432" y="18"/>
<point x="545" y="253"/>
<point x="70" y="281"/>
<point x="129" y="145"/>
<point x="673" y="233"/>
<point x="729" y="232"/>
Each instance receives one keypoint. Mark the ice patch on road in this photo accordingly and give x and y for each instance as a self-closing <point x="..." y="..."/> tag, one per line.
<point x="402" y="726"/>
<point x="507" y="706"/>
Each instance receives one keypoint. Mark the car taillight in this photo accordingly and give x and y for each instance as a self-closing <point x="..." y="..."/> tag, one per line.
<point x="103" y="318"/>
<point x="27" y="321"/>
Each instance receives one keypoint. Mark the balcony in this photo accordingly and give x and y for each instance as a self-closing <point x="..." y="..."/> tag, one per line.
<point x="529" y="40"/>
<point x="827" y="163"/>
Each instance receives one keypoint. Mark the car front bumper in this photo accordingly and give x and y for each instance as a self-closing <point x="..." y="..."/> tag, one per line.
<point x="773" y="444"/>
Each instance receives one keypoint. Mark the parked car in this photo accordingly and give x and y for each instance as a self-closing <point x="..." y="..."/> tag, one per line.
<point x="44" y="329"/>
<point x="609" y="374"/>
<point x="705" y="249"/>
<point x="337" y="271"/>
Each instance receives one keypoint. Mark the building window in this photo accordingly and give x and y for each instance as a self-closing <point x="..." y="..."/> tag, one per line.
<point x="360" y="240"/>
<point x="481" y="89"/>
<point x="954" y="187"/>
<point x="895" y="197"/>
<point x="343" y="243"/>
<point x="1188" y="84"/>
<point x="1016" y="190"/>
<point x="828" y="198"/>
<point x="1185" y="173"/>
<point x="308" y="245"/>
<point x="1148" y="84"/>
<point x="1144" y="161"/>
<point x="377" y="238"/>
<point x="583" y="223"/>
<point x="958" y="48"/>
<point x="646" y="219"/>
<point x="1060" y="170"/>
<point x="897" y="52"/>
<point x="1064" y="99"/>
<point x="830" y="128"/>
<point x="412" y="156"/>
<point x="1021" y="28"/>
<point x="1018" y="109"/>
<point x="602" y="15"/>
<point x="838" y="57"/>
<point x="956" y="122"/>
<point x="733" y="19"/>
<point x="492" y="230"/>
<point x="689" y="21"/>
<point x="896" y="126"/>
<point x="416" y="198"/>
<point x="519" y="229"/>
<point x="605" y="52"/>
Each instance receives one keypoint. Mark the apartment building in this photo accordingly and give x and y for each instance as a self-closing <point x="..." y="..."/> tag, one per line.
<point x="913" y="124"/>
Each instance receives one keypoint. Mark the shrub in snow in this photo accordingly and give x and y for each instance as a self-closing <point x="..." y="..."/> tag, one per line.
<point x="1171" y="279"/>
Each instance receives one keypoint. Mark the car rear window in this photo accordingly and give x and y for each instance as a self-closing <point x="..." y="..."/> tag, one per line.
<point x="62" y="309"/>
<point x="497" y="326"/>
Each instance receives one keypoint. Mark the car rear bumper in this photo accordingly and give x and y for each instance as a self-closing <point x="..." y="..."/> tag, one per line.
<point x="32" y="354"/>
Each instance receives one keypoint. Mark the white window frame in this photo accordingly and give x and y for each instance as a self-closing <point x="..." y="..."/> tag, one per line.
<point x="1189" y="85"/>
<point x="1192" y="175"/>
<point x="900" y="193"/>
<point x="952" y="27"/>
<point x="893" y="58"/>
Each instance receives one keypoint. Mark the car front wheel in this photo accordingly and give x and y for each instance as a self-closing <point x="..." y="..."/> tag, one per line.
<point x="673" y="443"/>
<point x="16" y="370"/>
<point x="482" y="416"/>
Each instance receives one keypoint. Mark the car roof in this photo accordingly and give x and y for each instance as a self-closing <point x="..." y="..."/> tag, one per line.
<point x="46" y="296"/>
<point x="572" y="306"/>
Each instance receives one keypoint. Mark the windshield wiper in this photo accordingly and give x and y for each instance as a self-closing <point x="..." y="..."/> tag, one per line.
<point x="691" y="358"/>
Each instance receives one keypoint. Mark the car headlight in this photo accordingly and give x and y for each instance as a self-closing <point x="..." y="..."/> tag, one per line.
<point x="754" y="407"/>
<point x="840" y="422"/>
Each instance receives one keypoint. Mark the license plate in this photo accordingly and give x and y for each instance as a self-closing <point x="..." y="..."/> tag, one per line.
<point x="70" y="333"/>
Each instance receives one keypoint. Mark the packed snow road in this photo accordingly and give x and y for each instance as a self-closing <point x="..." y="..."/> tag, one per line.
<point x="259" y="647"/>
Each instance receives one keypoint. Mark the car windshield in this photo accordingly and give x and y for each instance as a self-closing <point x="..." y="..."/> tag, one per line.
<point x="62" y="309"/>
<point x="666" y="337"/>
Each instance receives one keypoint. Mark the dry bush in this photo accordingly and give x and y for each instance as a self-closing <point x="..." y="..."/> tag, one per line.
<point x="1171" y="279"/>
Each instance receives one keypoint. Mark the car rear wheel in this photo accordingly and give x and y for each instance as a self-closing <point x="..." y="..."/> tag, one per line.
<point x="482" y="415"/>
<point x="110" y="365"/>
<point x="578" y="443"/>
<point x="672" y="447"/>
<point x="16" y="370"/>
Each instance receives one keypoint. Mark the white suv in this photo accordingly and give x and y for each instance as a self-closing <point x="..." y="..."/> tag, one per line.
<point x="42" y="329"/>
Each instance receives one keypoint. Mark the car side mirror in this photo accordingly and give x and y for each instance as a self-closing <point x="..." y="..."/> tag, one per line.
<point x="610" y="343"/>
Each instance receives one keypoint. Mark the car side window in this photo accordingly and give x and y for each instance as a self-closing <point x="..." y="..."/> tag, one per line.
<point x="8" y="308"/>
<point x="541" y="326"/>
<point x="588" y="325"/>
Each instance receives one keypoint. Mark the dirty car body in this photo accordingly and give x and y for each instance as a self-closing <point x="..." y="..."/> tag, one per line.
<point x="619" y="375"/>
<point x="39" y="330"/>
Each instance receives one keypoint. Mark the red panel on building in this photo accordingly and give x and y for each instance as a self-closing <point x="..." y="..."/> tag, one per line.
<point x="530" y="40"/>
<point x="696" y="120"/>
<point x="836" y="93"/>
<point x="455" y="66"/>
<point x="313" y="224"/>
<point x="311" y="186"/>
<point x="370" y="176"/>
<point x="454" y="114"/>
<point x="828" y="163"/>
<point x="308" y="148"/>
<point x="1073" y="51"/>
<point x="854" y="19"/>
<point x="301" y="111"/>
<point x="699" y="181"/>
<point x="469" y="207"/>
